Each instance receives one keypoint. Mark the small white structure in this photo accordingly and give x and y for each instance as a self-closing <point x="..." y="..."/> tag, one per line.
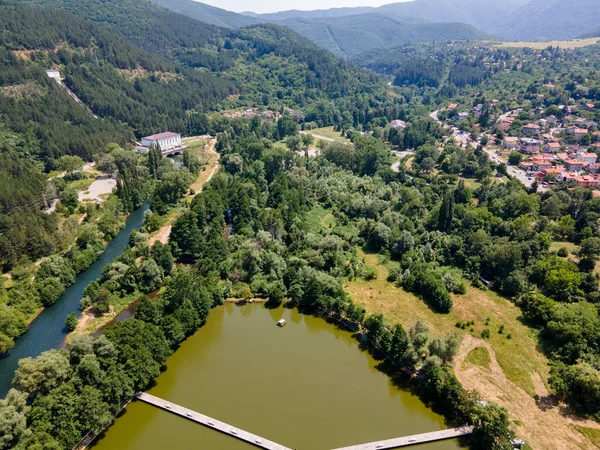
<point x="398" y="124"/>
<point x="165" y="141"/>
<point x="281" y="323"/>
<point x="53" y="73"/>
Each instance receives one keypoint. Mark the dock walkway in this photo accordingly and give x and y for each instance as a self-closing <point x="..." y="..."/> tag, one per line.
<point x="413" y="440"/>
<point x="209" y="422"/>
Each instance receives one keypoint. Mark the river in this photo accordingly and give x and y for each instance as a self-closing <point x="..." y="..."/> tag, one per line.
<point x="48" y="330"/>
<point x="306" y="386"/>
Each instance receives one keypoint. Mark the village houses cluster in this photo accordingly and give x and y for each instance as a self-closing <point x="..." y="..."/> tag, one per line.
<point x="557" y="150"/>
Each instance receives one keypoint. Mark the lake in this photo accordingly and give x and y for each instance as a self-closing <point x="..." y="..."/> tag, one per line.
<point x="306" y="386"/>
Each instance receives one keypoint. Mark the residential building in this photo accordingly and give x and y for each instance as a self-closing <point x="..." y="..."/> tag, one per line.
<point x="531" y="128"/>
<point x="529" y="145"/>
<point x="463" y="116"/>
<point x="452" y="106"/>
<point x="574" y="165"/>
<point x="541" y="175"/>
<point x="541" y="163"/>
<point x="552" y="147"/>
<point x="510" y="142"/>
<point x="589" y="158"/>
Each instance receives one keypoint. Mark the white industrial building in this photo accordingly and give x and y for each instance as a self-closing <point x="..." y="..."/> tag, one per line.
<point x="165" y="141"/>
<point x="53" y="73"/>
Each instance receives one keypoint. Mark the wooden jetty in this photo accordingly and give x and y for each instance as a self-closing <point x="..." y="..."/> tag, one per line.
<point x="413" y="440"/>
<point x="209" y="422"/>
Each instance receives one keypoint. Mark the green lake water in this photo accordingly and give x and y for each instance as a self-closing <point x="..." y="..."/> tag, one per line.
<point x="306" y="386"/>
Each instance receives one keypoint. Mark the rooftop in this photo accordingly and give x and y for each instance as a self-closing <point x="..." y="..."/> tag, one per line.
<point x="159" y="136"/>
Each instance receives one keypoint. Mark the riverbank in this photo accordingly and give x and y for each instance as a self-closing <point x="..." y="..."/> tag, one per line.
<point x="48" y="330"/>
<point x="89" y="322"/>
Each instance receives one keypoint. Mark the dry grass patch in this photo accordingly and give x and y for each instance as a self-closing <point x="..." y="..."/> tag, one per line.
<point x="329" y="133"/>
<point x="570" y="44"/>
<point x="515" y="348"/>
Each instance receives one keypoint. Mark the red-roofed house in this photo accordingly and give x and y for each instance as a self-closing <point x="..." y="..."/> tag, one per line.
<point x="531" y="128"/>
<point x="510" y="142"/>
<point x="589" y="158"/>
<point x="574" y="165"/>
<point x="577" y="132"/>
<point x="452" y="106"/>
<point x="552" y="147"/>
<point x="554" y="170"/>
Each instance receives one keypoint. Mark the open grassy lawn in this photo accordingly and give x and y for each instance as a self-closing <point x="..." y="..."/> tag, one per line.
<point x="570" y="44"/>
<point x="557" y="245"/>
<point x="479" y="356"/>
<point x="330" y="133"/>
<point x="82" y="185"/>
<point x="515" y="348"/>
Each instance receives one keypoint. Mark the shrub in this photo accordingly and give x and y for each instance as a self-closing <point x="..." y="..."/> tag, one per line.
<point x="369" y="273"/>
<point x="485" y="333"/>
<point x="71" y="321"/>
<point x="563" y="252"/>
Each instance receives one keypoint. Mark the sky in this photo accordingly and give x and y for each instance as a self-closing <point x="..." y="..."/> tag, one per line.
<point x="267" y="6"/>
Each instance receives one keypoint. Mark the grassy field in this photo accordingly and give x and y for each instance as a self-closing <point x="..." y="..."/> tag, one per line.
<point x="570" y="44"/>
<point x="515" y="348"/>
<point x="328" y="132"/>
<point x="479" y="356"/>
<point x="82" y="185"/>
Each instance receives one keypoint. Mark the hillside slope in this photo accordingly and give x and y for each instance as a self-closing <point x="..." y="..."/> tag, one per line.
<point x="207" y="14"/>
<point x="550" y="20"/>
<point x="351" y="35"/>
<point x="271" y="65"/>
<point x="479" y="13"/>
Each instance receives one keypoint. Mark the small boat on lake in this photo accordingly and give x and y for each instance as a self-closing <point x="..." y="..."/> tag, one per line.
<point x="281" y="323"/>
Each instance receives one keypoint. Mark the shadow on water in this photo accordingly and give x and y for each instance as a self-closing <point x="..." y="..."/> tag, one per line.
<point x="48" y="331"/>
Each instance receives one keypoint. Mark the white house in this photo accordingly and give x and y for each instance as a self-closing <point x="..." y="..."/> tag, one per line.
<point x="463" y="116"/>
<point x="398" y="124"/>
<point x="53" y="73"/>
<point x="165" y="141"/>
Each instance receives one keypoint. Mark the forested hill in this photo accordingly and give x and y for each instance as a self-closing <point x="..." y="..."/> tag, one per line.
<point x="550" y="19"/>
<point x="351" y="35"/>
<point x="271" y="65"/>
<point x="208" y="14"/>
<point x="113" y="77"/>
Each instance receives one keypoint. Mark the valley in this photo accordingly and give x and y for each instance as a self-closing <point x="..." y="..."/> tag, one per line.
<point x="413" y="187"/>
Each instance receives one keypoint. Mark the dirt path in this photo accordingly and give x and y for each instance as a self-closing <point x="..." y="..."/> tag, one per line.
<point x="318" y="136"/>
<point x="545" y="426"/>
<point x="162" y="235"/>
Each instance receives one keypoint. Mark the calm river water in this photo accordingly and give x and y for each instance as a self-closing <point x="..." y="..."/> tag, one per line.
<point x="48" y="330"/>
<point x="306" y="385"/>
